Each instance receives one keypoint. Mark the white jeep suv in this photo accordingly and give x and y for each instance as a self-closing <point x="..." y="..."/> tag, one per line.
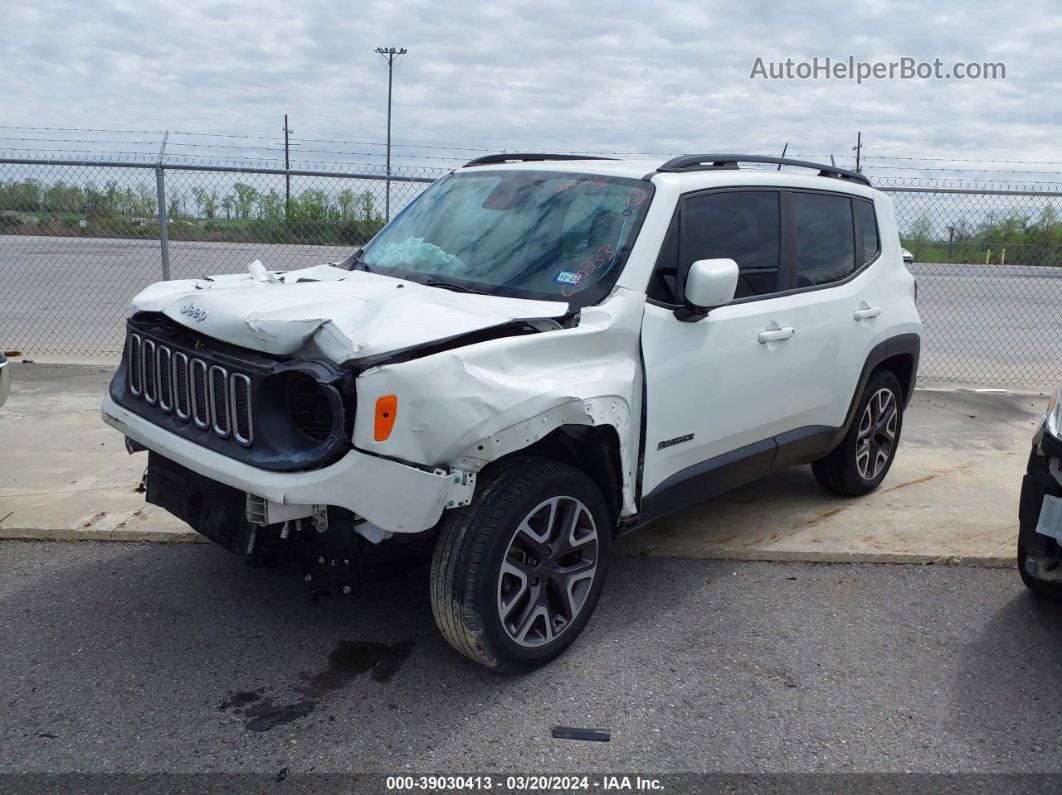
<point x="538" y="354"/>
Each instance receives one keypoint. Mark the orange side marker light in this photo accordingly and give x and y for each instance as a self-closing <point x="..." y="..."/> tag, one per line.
<point x="386" y="410"/>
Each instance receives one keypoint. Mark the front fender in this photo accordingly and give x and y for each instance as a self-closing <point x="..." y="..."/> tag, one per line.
<point x="480" y="402"/>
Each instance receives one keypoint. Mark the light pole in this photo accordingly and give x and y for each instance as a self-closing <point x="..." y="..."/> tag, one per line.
<point x="391" y="54"/>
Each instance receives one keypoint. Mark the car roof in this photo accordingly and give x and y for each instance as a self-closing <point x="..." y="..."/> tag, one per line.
<point x="689" y="179"/>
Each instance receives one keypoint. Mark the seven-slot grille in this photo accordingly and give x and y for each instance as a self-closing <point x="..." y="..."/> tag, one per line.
<point x="192" y="389"/>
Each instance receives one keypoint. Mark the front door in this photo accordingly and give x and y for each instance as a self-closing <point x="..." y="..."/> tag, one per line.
<point x="716" y="388"/>
<point x="715" y="394"/>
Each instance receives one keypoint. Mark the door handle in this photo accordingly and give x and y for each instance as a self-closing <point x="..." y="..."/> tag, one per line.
<point x="776" y="335"/>
<point x="869" y="312"/>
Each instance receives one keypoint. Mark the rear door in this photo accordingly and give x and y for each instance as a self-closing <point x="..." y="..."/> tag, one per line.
<point x="835" y="312"/>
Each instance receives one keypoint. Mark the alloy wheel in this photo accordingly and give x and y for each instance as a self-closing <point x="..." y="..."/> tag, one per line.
<point x="876" y="438"/>
<point x="548" y="571"/>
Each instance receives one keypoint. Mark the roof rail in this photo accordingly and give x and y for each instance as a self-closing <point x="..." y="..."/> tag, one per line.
<point x="709" y="162"/>
<point x="526" y="157"/>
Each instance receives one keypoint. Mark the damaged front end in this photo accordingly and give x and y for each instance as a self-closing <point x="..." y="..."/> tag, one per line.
<point x="1040" y="510"/>
<point x="255" y="452"/>
<point x="328" y="313"/>
<point x="334" y="549"/>
<point x="273" y="412"/>
<point x="257" y="398"/>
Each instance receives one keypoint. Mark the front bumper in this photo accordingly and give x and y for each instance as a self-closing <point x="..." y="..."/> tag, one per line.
<point x="1039" y="536"/>
<point x="391" y="495"/>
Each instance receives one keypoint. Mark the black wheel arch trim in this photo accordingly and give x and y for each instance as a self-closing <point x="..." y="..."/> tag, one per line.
<point x="901" y="344"/>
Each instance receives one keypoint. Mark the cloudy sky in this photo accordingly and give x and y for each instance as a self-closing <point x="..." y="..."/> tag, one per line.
<point x="593" y="76"/>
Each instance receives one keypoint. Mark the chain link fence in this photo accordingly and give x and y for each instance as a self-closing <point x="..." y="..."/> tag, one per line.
<point x="989" y="268"/>
<point x="79" y="238"/>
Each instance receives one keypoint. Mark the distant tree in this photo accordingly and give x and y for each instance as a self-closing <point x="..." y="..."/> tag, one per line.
<point x="210" y="204"/>
<point x="147" y="201"/>
<point x="176" y="200"/>
<point x="24" y="196"/>
<point x="271" y="206"/>
<point x="366" y="202"/>
<point x="126" y="203"/>
<point x="199" y="196"/>
<point x="112" y="197"/>
<point x="312" y="205"/>
<point x="246" y="195"/>
<point x="63" y="198"/>
<point x="346" y="204"/>
<point x="920" y="229"/>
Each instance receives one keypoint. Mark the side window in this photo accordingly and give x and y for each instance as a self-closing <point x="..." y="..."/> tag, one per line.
<point x="825" y="238"/>
<point x="662" y="285"/>
<point x="741" y="225"/>
<point x="868" y="224"/>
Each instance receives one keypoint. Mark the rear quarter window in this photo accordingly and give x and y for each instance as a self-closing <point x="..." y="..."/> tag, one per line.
<point x="825" y="238"/>
<point x="867" y="222"/>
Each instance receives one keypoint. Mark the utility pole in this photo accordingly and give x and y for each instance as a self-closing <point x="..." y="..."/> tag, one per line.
<point x="160" y="187"/>
<point x="287" y="168"/>
<point x="391" y="54"/>
<point x="858" y="148"/>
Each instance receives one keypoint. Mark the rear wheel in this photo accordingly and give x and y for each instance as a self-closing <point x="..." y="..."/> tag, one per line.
<point x="860" y="462"/>
<point x="516" y="575"/>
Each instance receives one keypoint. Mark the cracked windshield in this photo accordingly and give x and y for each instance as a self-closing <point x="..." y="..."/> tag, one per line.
<point x="527" y="234"/>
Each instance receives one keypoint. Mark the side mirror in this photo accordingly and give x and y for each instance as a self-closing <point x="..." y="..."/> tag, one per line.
<point x="710" y="283"/>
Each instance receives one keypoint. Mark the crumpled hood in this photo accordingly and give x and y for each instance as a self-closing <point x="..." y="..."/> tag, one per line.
<point x="347" y="314"/>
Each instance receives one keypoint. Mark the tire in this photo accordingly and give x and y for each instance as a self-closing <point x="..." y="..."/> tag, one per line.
<point x="863" y="458"/>
<point x="1051" y="590"/>
<point x="501" y="559"/>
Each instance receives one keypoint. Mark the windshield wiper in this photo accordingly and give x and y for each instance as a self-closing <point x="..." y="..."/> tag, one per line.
<point x="457" y="288"/>
<point x="354" y="261"/>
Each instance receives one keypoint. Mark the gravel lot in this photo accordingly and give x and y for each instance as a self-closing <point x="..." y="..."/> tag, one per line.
<point x="140" y="658"/>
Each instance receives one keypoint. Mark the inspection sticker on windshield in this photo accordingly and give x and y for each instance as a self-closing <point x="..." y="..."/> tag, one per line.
<point x="1050" y="523"/>
<point x="569" y="277"/>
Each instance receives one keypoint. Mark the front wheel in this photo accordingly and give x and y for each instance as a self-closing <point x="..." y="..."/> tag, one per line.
<point x="516" y="574"/>
<point x="1052" y="589"/>
<point x="860" y="462"/>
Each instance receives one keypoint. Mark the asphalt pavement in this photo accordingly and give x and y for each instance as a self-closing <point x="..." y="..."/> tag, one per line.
<point x="146" y="657"/>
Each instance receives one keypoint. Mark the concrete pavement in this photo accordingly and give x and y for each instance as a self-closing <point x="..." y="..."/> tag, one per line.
<point x="951" y="496"/>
